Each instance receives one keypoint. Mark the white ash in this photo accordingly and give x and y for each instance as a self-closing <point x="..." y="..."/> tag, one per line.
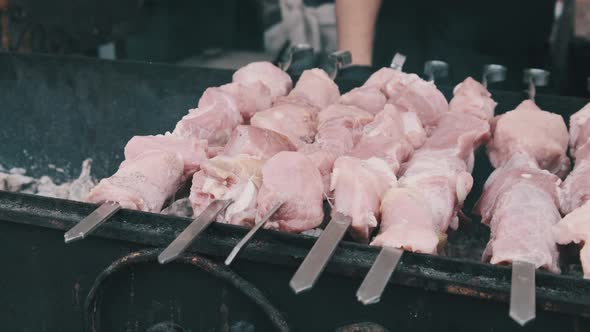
<point x="15" y="180"/>
<point x="179" y="208"/>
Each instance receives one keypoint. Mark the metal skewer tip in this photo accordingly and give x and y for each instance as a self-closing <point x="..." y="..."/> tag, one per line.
<point x="314" y="263"/>
<point x="522" y="292"/>
<point x="535" y="77"/>
<point x="398" y="61"/>
<point x="493" y="73"/>
<point x="435" y="69"/>
<point x="341" y="59"/>
<point x="374" y="283"/>
<point x="188" y="235"/>
<point x="91" y="222"/>
<point x="251" y="233"/>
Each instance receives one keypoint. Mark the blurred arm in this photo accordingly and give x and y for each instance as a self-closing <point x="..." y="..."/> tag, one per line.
<point x="355" y="21"/>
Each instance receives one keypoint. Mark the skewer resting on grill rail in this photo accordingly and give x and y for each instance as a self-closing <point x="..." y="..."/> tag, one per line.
<point x="314" y="263"/>
<point x="522" y="288"/>
<point x="108" y="209"/>
<point x="435" y="69"/>
<point x="376" y="280"/>
<point x="340" y="59"/>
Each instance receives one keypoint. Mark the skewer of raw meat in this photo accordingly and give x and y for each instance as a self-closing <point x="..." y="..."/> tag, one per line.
<point x="434" y="184"/>
<point x="575" y="226"/>
<point x="222" y="109"/>
<point x="281" y="205"/>
<point x="371" y="163"/>
<point x="521" y="198"/>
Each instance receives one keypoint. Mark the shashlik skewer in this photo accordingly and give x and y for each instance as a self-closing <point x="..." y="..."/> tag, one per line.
<point x="360" y="216"/>
<point x="470" y="98"/>
<point x="265" y="80"/>
<point x="521" y="198"/>
<point x="305" y="90"/>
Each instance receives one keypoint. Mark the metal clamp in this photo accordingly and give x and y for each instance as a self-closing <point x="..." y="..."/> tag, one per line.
<point x="340" y="59"/>
<point x="493" y="73"/>
<point x="435" y="69"/>
<point x="535" y="77"/>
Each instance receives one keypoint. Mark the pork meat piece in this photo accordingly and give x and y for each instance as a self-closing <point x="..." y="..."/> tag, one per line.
<point x="291" y="178"/>
<point x="192" y="150"/>
<point x="340" y="127"/>
<point x="250" y="98"/>
<point x="406" y="222"/>
<point x="424" y="99"/>
<point x="520" y="204"/>
<point x="228" y="177"/>
<point x="256" y="142"/>
<point x="265" y="72"/>
<point x="316" y="88"/>
<point x="389" y="137"/>
<point x="143" y="183"/>
<point x="473" y="98"/>
<point x="580" y="131"/>
<point x="358" y="187"/>
<point x="528" y="129"/>
<point x="398" y="83"/>
<point x="575" y="227"/>
<point x="460" y="131"/>
<point x="214" y="121"/>
<point x="370" y="99"/>
<point x="380" y="78"/>
<point x="295" y="121"/>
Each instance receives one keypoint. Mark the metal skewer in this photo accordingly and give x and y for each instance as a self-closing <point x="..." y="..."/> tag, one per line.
<point x="375" y="281"/>
<point x="321" y="252"/>
<point x="188" y="235"/>
<point x="535" y="77"/>
<point x="493" y="73"/>
<point x="236" y="250"/>
<point x="522" y="292"/>
<point x="91" y="222"/>
<point x="435" y="69"/>
<point x="341" y="59"/>
<point x="398" y="61"/>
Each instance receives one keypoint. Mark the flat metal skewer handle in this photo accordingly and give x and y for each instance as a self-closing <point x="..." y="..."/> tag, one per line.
<point x="236" y="250"/>
<point x="314" y="263"/>
<point x="522" y="292"/>
<point x="435" y="69"/>
<point x="493" y="73"/>
<point x="535" y="77"/>
<point x="398" y="61"/>
<point x="376" y="280"/>
<point x="188" y="235"/>
<point x="91" y="222"/>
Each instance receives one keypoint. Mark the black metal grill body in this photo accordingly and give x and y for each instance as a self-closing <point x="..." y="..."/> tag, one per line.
<point x="62" y="110"/>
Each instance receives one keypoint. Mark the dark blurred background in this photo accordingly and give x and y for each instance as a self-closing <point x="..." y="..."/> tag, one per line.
<point x="229" y="33"/>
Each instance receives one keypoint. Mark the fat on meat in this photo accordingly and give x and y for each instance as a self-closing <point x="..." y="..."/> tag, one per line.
<point x="295" y="121"/>
<point x="273" y="77"/>
<point x="256" y="142"/>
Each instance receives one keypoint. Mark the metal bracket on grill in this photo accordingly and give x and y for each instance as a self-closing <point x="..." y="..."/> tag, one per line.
<point x="535" y="77"/>
<point x="435" y="69"/>
<point x="296" y="53"/>
<point x="493" y="73"/>
<point x="341" y="59"/>
<point x="398" y="61"/>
